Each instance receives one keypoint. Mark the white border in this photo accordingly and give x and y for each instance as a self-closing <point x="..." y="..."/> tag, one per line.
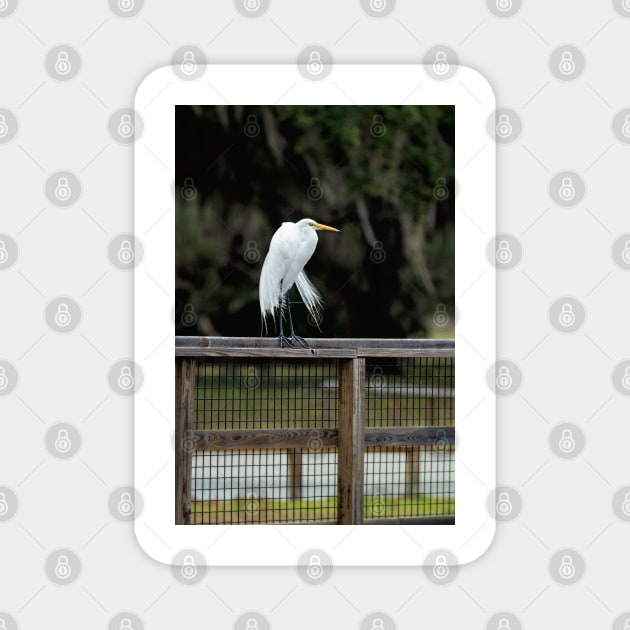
<point x="154" y="303"/>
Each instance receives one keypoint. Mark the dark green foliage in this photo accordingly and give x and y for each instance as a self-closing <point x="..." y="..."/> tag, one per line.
<point x="254" y="167"/>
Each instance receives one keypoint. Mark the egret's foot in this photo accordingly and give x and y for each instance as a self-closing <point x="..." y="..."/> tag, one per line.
<point x="285" y="342"/>
<point x="299" y="340"/>
<point x="292" y="342"/>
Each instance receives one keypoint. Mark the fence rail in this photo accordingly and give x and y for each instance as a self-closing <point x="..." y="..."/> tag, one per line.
<point x="326" y="422"/>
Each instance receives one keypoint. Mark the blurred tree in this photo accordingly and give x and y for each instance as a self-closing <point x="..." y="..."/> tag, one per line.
<point x="383" y="175"/>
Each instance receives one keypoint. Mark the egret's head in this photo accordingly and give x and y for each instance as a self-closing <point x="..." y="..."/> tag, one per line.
<point x="317" y="226"/>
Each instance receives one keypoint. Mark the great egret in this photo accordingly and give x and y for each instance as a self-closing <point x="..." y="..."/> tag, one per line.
<point x="290" y="249"/>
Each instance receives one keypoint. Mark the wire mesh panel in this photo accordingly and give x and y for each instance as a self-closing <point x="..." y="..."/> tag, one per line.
<point x="417" y="480"/>
<point x="243" y="398"/>
<point x="347" y="436"/>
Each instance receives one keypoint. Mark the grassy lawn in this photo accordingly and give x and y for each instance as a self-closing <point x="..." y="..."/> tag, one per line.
<point x="245" y="511"/>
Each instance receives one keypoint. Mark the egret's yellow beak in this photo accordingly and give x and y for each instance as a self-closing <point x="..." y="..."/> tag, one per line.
<point x="321" y="226"/>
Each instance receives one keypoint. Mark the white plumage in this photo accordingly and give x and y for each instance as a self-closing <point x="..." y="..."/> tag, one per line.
<point x="290" y="249"/>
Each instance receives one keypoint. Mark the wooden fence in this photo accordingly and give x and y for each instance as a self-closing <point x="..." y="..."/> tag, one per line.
<point x="351" y="438"/>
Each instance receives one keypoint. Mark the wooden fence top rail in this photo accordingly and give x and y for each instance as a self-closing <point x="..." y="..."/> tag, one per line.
<point x="318" y="347"/>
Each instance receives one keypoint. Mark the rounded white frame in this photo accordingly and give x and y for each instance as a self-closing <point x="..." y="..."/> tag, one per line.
<point x="475" y="280"/>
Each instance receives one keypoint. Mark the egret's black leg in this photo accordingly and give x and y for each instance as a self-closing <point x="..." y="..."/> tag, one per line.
<point x="294" y="337"/>
<point x="283" y="340"/>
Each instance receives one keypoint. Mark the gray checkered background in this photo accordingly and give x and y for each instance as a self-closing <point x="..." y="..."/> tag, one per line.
<point x="69" y="558"/>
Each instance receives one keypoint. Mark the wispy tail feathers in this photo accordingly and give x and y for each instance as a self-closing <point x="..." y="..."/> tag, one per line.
<point x="310" y="296"/>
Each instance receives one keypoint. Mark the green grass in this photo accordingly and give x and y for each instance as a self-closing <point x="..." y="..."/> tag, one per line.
<point x="314" y="510"/>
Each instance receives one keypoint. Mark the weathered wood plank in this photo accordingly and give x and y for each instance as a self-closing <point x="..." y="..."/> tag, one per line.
<point x="316" y="343"/>
<point x="316" y="439"/>
<point x="229" y="439"/>
<point x="350" y="443"/>
<point x="396" y="352"/>
<point x="268" y="347"/>
<point x="185" y="374"/>
<point x="409" y="436"/>
<point x="278" y="353"/>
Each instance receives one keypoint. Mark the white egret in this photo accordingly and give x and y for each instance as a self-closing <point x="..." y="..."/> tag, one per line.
<point x="290" y="249"/>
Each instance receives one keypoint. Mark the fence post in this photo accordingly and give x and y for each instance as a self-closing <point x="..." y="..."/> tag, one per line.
<point x="185" y="377"/>
<point x="351" y="441"/>
<point x="294" y="473"/>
